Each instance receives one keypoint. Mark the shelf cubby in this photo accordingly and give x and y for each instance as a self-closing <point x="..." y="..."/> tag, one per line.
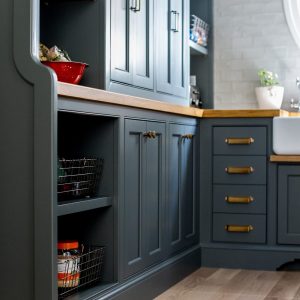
<point x="196" y="49"/>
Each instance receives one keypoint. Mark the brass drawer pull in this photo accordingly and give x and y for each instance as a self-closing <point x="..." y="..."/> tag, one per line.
<point x="187" y="136"/>
<point x="239" y="141"/>
<point x="239" y="200"/>
<point x="239" y="170"/>
<point x="150" y="134"/>
<point x="239" y="228"/>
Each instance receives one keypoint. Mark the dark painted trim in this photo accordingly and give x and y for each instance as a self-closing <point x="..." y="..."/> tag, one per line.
<point x="25" y="51"/>
<point x="159" y="278"/>
<point x="246" y="258"/>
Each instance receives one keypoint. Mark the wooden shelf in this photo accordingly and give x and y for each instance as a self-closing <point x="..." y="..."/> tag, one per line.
<point x="74" y="206"/>
<point x="285" y="158"/>
<point x="196" y="49"/>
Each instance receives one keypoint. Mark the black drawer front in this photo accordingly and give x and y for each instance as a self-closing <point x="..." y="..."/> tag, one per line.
<point x="239" y="169"/>
<point x="227" y="227"/>
<point x="246" y="199"/>
<point x="240" y="140"/>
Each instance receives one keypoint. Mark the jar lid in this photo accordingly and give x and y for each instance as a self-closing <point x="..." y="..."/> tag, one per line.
<point x="66" y="245"/>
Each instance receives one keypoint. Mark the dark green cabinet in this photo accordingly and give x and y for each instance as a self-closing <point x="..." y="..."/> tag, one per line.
<point x="132" y="42"/>
<point x="289" y="204"/>
<point x="172" y="52"/>
<point x="181" y="200"/>
<point x="144" y="180"/>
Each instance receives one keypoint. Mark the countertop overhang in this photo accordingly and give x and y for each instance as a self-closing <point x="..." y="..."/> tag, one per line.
<point x="92" y="94"/>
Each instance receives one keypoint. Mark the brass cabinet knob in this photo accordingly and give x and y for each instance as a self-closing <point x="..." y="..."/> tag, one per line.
<point x="239" y="170"/>
<point x="187" y="136"/>
<point x="239" y="141"/>
<point x="239" y="228"/>
<point x="150" y="134"/>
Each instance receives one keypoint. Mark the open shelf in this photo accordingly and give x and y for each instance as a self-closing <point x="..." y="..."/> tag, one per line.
<point x="196" y="49"/>
<point x="74" y="206"/>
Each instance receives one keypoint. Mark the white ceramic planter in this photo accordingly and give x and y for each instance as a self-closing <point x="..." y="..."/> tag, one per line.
<point x="269" y="97"/>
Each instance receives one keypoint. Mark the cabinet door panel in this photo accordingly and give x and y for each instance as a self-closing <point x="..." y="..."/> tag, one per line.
<point x="179" y="42"/>
<point x="121" y="23"/>
<point x="181" y="203"/>
<point x="155" y="192"/>
<point x="174" y="188"/>
<point x="142" y="52"/>
<point x="288" y="205"/>
<point x="188" y="185"/>
<point x="163" y="46"/>
<point x="133" y="196"/>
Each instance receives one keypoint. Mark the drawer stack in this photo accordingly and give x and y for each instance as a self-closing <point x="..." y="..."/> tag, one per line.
<point x="239" y="184"/>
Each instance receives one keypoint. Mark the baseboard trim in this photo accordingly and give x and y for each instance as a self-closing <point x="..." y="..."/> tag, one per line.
<point x="155" y="281"/>
<point x="246" y="259"/>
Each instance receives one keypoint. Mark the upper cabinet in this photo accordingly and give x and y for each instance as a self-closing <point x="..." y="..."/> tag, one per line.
<point x="135" y="47"/>
<point x="132" y="42"/>
<point x="172" y="56"/>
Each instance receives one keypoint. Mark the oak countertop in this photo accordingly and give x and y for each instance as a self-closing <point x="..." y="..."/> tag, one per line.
<point x="92" y="94"/>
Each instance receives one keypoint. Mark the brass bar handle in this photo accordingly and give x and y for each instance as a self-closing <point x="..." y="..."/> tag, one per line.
<point x="239" y="141"/>
<point x="239" y="170"/>
<point x="187" y="136"/>
<point x="239" y="200"/>
<point x="239" y="228"/>
<point x="150" y="134"/>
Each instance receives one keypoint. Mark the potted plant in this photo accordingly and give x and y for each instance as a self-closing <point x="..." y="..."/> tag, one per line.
<point x="269" y="95"/>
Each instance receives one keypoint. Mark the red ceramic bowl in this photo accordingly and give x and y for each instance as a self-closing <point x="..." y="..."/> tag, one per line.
<point x="69" y="71"/>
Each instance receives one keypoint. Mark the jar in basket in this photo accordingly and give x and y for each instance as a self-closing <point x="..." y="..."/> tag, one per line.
<point x="68" y="259"/>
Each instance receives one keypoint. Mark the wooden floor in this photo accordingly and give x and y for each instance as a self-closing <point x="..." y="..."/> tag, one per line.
<point x="228" y="284"/>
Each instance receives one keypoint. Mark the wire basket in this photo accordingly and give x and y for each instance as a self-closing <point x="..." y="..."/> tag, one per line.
<point x="199" y="31"/>
<point x="78" y="178"/>
<point x="81" y="271"/>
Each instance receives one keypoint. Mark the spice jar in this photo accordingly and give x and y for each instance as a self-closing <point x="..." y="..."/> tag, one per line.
<point x="68" y="258"/>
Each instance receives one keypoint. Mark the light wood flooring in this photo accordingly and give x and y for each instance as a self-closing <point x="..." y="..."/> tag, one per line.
<point x="230" y="284"/>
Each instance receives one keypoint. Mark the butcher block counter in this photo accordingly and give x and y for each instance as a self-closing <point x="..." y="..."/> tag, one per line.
<point x="92" y="94"/>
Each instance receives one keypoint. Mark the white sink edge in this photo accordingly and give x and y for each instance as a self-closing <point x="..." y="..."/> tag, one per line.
<point x="286" y="135"/>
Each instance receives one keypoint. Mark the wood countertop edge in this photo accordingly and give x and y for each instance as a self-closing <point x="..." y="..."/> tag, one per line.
<point x="243" y="113"/>
<point x="285" y="158"/>
<point x="93" y="94"/>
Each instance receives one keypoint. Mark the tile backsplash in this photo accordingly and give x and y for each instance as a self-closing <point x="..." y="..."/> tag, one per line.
<point x="249" y="35"/>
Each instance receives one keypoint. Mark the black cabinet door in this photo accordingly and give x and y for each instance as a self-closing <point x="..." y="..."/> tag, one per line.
<point x="289" y="205"/>
<point x="132" y="42"/>
<point x="181" y="201"/>
<point x="144" y="195"/>
<point x="171" y="18"/>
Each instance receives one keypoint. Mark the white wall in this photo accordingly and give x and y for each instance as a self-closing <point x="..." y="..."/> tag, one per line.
<point x="249" y="35"/>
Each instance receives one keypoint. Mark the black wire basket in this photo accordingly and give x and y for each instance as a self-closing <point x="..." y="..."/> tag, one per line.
<point x="81" y="271"/>
<point x="78" y="178"/>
